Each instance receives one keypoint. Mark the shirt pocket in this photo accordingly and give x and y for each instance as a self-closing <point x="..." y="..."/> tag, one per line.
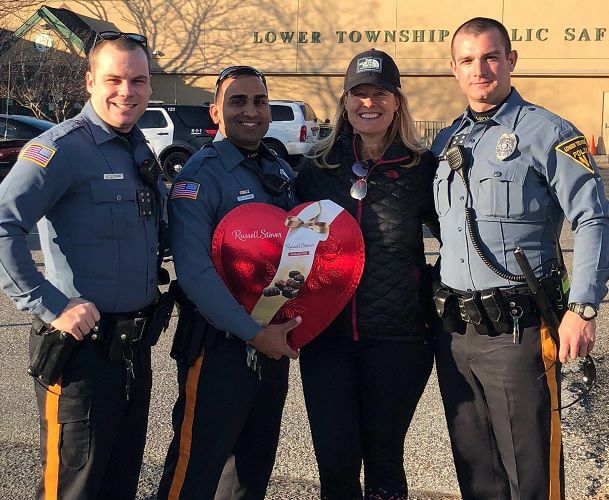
<point x="116" y="211"/>
<point x="501" y="191"/>
<point x="441" y="190"/>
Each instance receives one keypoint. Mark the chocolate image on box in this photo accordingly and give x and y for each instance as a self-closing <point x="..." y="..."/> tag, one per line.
<point x="281" y="284"/>
<point x="293" y="283"/>
<point x="300" y="278"/>
<point x="289" y="293"/>
<point x="293" y="274"/>
<point x="271" y="291"/>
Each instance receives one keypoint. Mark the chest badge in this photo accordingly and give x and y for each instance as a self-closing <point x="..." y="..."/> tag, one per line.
<point x="506" y="146"/>
<point x="245" y="195"/>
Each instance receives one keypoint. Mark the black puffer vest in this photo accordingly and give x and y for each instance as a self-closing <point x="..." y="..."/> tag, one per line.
<point x="389" y="301"/>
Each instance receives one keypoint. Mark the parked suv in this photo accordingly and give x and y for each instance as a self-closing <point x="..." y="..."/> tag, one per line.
<point x="175" y="132"/>
<point x="294" y="128"/>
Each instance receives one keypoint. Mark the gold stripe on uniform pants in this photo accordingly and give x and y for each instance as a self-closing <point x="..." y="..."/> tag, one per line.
<point x="51" y="471"/>
<point x="549" y="354"/>
<point x="179" y="475"/>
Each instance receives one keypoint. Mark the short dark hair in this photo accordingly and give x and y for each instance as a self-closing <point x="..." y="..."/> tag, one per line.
<point x="121" y="43"/>
<point x="479" y="25"/>
<point x="234" y="73"/>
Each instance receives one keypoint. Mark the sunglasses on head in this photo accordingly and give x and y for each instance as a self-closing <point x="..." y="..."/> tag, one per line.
<point x="580" y="389"/>
<point x="236" y="71"/>
<point x="359" y="189"/>
<point x="115" y="35"/>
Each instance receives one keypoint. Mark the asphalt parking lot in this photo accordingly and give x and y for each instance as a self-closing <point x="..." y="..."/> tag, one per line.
<point x="427" y="453"/>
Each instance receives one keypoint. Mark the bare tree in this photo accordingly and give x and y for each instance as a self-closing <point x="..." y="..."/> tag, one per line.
<point x="50" y="84"/>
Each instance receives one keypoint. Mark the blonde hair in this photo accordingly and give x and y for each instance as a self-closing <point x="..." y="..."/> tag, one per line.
<point x="402" y="125"/>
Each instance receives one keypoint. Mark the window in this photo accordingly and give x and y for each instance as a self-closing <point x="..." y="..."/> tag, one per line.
<point x="152" y="119"/>
<point x="308" y="113"/>
<point x="8" y="129"/>
<point x="195" y="116"/>
<point x="280" y="113"/>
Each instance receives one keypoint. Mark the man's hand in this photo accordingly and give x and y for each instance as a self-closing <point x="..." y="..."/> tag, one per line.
<point x="577" y="336"/>
<point x="77" y="319"/>
<point x="272" y="340"/>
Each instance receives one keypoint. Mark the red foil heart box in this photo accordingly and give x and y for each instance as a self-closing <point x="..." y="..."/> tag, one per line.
<point x="306" y="262"/>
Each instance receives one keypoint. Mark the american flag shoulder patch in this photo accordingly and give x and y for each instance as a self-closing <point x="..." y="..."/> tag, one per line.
<point x="37" y="153"/>
<point x="185" y="189"/>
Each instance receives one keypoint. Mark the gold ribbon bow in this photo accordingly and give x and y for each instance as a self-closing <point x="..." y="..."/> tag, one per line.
<point x="313" y="224"/>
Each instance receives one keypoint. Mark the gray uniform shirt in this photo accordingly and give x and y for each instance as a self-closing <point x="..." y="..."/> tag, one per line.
<point x="520" y="200"/>
<point x="78" y="181"/>
<point x="211" y="184"/>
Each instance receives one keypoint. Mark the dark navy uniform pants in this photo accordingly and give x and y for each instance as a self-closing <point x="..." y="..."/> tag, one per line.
<point x="360" y="399"/>
<point x="92" y="439"/>
<point x="505" y="437"/>
<point x="226" y="425"/>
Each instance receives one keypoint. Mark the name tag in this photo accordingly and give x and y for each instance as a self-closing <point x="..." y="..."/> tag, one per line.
<point x="245" y="197"/>
<point x="113" y="177"/>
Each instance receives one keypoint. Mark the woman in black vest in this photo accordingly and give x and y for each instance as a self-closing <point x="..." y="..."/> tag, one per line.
<point x="364" y="375"/>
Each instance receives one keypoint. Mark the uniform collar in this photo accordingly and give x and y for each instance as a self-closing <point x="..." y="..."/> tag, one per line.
<point x="101" y="131"/>
<point x="231" y="156"/>
<point x="506" y="115"/>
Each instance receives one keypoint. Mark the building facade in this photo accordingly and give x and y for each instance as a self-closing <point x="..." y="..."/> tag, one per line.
<point x="304" y="48"/>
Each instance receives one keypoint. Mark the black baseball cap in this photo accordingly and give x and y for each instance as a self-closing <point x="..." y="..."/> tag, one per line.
<point x="375" y="67"/>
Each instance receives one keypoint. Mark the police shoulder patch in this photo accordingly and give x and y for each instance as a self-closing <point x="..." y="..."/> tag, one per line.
<point x="576" y="148"/>
<point x="185" y="189"/>
<point x="37" y="153"/>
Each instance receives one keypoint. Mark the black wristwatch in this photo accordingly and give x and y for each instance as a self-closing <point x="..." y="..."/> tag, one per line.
<point x="585" y="311"/>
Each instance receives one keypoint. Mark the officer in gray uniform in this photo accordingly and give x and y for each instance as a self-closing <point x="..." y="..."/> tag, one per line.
<point x="232" y="373"/>
<point x="510" y="172"/>
<point x="90" y="184"/>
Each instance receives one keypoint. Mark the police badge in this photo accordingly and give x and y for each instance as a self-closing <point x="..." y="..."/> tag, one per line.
<point x="506" y="146"/>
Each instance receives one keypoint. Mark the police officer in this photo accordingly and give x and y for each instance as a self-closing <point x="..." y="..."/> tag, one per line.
<point x="97" y="221"/>
<point x="231" y="398"/>
<point x="510" y="172"/>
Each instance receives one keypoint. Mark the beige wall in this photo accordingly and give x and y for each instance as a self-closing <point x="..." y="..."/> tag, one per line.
<point x="305" y="46"/>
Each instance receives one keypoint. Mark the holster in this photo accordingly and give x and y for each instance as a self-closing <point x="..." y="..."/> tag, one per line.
<point x="447" y="308"/>
<point x="471" y="312"/>
<point x="190" y="332"/>
<point x="52" y="352"/>
<point x="158" y="321"/>
<point x="556" y="286"/>
<point x="497" y="309"/>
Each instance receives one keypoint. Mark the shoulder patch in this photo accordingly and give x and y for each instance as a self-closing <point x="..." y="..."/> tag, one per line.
<point x="185" y="189"/>
<point x="37" y="153"/>
<point x="577" y="149"/>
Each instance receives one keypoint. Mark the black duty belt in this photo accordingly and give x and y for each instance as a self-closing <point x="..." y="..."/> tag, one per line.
<point x="128" y="327"/>
<point x="495" y="309"/>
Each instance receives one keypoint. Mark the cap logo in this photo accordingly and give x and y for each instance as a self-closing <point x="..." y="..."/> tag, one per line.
<point x="369" y="64"/>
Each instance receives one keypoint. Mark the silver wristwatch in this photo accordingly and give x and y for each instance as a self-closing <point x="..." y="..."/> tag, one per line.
<point x="585" y="311"/>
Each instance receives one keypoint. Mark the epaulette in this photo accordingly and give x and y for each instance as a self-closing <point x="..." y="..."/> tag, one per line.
<point x="208" y="151"/>
<point x="64" y="128"/>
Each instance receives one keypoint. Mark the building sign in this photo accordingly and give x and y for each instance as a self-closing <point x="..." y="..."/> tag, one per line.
<point x="440" y="35"/>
